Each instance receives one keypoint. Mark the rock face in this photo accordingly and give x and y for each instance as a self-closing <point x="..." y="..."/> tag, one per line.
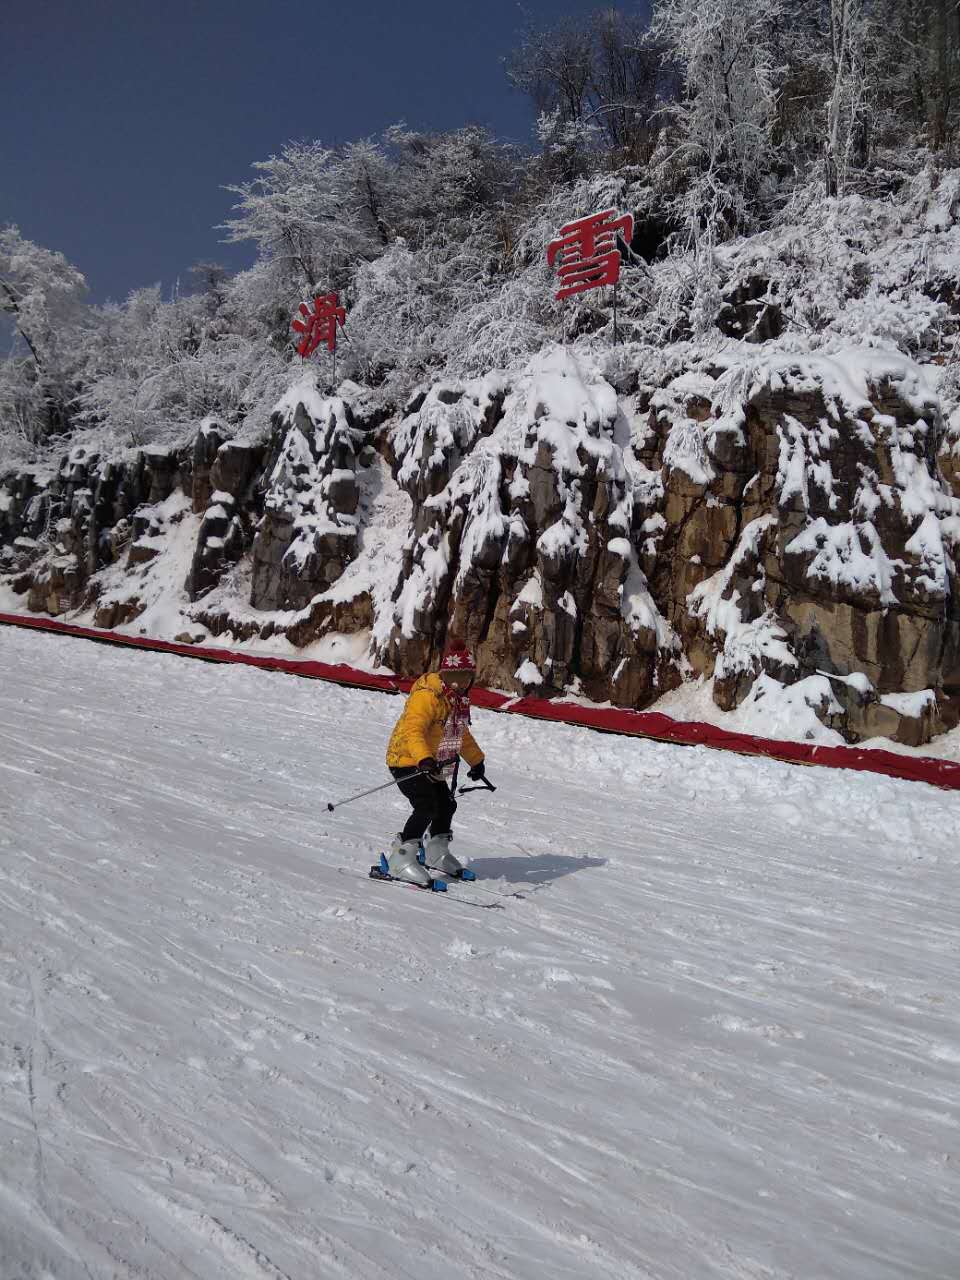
<point x="59" y="529"/>
<point x="820" y="487"/>
<point x="785" y="518"/>
<point x="785" y="526"/>
<point x="225" y="476"/>
<point x="521" y="542"/>
<point x="308" y="533"/>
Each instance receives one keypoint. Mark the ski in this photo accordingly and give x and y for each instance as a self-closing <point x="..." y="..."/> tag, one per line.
<point x="376" y="873"/>
<point x="480" y="906"/>
<point x="471" y="877"/>
<point x="494" y="893"/>
<point x="438" y="884"/>
<point x="466" y="876"/>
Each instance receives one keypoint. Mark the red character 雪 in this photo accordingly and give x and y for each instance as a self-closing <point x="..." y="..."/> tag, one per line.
<point x="586" y="254"/>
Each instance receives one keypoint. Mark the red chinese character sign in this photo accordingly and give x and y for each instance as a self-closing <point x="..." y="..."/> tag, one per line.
<point x="319" y="324"/>
<point x="585" y="254"/>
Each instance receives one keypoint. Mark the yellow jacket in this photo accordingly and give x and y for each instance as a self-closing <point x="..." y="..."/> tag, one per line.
<point x="418" y="732"/>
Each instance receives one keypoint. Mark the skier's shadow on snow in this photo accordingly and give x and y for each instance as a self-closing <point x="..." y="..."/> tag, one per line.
<point x="533" y="870"/>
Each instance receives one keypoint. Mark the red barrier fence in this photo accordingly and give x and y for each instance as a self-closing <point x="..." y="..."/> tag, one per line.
<point x="643" y="724"/>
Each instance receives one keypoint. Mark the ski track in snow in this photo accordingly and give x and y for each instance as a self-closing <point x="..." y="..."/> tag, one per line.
<point x="719" y="1037"/>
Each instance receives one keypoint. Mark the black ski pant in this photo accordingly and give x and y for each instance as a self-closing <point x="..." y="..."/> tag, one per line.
<point x="433" y="804"/>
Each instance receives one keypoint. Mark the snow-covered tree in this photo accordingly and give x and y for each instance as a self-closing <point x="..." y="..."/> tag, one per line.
<point x="919" y="60"/>
<point x="314" y="212"/>
<point x="723" y="144"/>
<point x="445" y="180"/>
<point x="155" y="367"/>
<point x="42" y="293"/>
<point x="597" y="78"/>
<point x="847" y="140"/>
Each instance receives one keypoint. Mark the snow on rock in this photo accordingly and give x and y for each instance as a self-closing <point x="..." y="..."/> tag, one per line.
<point x="846" y="556"/>
<point x="521" y="548"/>
<point x="308" y="532"/>
<point x="914" y="705"/>
<point x="528" y="674"/>
<point x="831" y="524"/>
<point x="64" y="526"/>
<point x="224" y="473"/>
<point x="803" y="710"/>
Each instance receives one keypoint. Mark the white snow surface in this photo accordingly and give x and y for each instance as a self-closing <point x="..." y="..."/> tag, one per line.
<point x="717" y="1038"/>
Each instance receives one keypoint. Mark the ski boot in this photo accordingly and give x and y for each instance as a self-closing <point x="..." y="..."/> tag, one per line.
<point x="437" y="856"/>
<point x="404" y="863"/>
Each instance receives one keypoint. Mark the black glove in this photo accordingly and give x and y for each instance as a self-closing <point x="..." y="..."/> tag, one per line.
<point x="428" y="765"/>
<point x="476" y="772"/>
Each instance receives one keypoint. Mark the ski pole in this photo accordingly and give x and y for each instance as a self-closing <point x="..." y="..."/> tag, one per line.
<point x="392" y="783"/>
<point x="484" y="785"/>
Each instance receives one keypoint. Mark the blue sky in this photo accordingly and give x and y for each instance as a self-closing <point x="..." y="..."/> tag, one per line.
<point x="124" y="120"/>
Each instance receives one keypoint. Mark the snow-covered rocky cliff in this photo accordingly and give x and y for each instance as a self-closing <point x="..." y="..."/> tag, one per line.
<point x="781" y="521"/>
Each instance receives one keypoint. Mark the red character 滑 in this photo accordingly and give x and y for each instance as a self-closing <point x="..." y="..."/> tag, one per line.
<point x="320" y="324"/>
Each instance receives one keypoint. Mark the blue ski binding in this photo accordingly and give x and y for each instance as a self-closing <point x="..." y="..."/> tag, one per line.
<point x="382" y="872"/>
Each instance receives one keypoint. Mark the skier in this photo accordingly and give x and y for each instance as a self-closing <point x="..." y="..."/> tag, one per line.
<point x="424" y="746"/>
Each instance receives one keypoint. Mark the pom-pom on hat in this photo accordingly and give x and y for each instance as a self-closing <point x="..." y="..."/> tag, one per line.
<point x="458" y="658"/>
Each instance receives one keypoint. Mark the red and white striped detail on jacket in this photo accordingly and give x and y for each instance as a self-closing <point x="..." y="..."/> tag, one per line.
<point x="454" y="727"/>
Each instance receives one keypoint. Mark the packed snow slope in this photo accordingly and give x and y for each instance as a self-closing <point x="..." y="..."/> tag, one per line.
<point x="718" y="1036"/>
